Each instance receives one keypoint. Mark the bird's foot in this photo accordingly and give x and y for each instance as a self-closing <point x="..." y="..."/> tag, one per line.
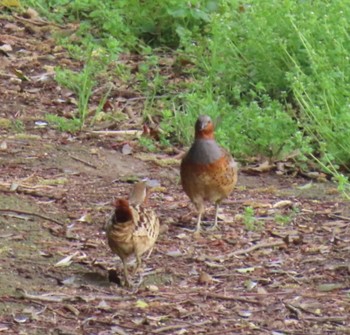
<point x="213" y="227"/>
<point x="137" y="269"/>
<point x="197" y="233"/>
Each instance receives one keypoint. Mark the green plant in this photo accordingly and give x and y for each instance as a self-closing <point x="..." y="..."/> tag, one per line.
<point x="273" y="75"/>
<point x="249" y="220"/>
<point x="17" y="126"/>
<point x="147" y="143"/>
<point x="81" y="83"/>
<point x="283" y="219"/>
<point x="64" y="124"/>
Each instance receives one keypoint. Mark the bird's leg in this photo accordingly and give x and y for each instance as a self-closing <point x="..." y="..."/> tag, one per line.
<point x="138" y="263"/>
<point x="149" y="253"/>
<point x="199" y="221"/>
<point x="138" y="266"/>
<point x="126" y="274"/>
<point x="215" y="226"/>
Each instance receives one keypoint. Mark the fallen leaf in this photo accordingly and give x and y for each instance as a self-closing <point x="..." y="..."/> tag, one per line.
<point x="141" y="304"/>
<point x="261" y="290"/>
<point x="249" y="284"/>
<point x="94" y="151"/>
<point x="118" y="330"/>
<point x="41" y="124"/>
<point x="72" y="309"/>
<point x="263" y="167"/>
<point x="86" y="218"/>
<point x="6" y="48"/>
<point x="14" y="187"/>
<point x="282" y="204"/>
<point x="225" y="217"/>
<point x="205" y="278"/>
<point x="3" y="146"/>
<point x="182" y="236"/>
<point x="104" y="306"/>
<point x="139" y="321"/>
<point x="174" y="253"/>
<point x="330" y="287"/>
<point x="306" y="186"/>
<point x="127" y="149"/>
<point x="153" y="183"/>
<point x="152" y="288"/>
<point x="20" y="318"/>
<point x="66" y="261"/>
<point x="245" y="314"/>
<point x="255" y="204"/>
<point x="246" y="270"/>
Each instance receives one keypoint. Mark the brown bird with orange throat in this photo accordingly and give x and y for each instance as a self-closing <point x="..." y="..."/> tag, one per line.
<point x="132" y="230"/>
<point x="208" y="172"/>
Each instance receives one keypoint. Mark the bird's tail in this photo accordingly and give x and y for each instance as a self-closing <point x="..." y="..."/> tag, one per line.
<point x="122" y="212"/>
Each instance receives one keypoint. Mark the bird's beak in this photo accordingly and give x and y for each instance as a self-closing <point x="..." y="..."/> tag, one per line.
<point x="203" y="125"/>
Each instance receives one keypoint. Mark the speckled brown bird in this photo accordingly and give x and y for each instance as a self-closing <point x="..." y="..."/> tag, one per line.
<point x="131" y="231"/>
<point x="208" y="172"/>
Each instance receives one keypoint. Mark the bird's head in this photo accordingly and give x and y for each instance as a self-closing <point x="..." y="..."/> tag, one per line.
<point x="204" y="128"/>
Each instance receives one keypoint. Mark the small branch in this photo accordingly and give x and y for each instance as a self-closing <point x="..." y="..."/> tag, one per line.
<point x="262" y="245"/>
<point x="294" y="309"/>
<point x="170" y="327"/>
<point x="327" y="318"/>
<point x="30" y="190"/>
<point x="32" y="214"/>
<point x="231" y="298"/>
<point x="57" y="297"/>
<point x="136" y="133"/>
<point x="83" y="161"/>
<point x="179" y="326"/>
<point x="341" y="217"/>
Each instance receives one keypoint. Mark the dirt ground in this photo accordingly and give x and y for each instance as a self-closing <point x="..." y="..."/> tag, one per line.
<point x="283" y="269"/>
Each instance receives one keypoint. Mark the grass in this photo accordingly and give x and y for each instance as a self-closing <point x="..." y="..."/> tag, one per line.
<point x="274" y="75"/>
<point x="251" y="223"/>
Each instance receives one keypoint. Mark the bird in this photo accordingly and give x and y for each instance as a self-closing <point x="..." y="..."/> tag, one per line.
<point x="131" y="230"/>
<point x="208" y="171"/>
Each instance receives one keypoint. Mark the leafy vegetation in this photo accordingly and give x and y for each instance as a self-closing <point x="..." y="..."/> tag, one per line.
<point x="274" y="75"/>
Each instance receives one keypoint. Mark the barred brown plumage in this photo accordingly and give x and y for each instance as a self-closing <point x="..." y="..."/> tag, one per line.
<point x="131" y="231"/>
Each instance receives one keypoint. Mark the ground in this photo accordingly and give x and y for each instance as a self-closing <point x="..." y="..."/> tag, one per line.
<point x="281" y="267"/>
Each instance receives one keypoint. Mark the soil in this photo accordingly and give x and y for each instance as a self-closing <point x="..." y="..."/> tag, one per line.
<point x="278" y="265"/>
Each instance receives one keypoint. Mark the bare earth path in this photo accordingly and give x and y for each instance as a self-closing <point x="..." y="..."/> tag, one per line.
<point x="288" y="276"/>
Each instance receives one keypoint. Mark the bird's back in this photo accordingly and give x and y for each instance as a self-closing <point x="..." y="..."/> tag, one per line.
<point x="136" y="235"/>
<point x="146" y="230"/>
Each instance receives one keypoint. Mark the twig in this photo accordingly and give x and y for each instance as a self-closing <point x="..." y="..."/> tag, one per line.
<point x="336" y="216"/>
<point x="225" y="297"/>
<point x="327" y="318"/>
<point x="255" y="247"/>
<point x="179" y="326"/>
<point x="294" y="309"/>
<point x="33" y="214"/>
<point x="170" y="327"/>
<point x="117" y="132"/>
<point x="83" y="161"/>
<point x="245" y="251"/>
<point x="29" y="190"/>
<point x="57" y="297"/>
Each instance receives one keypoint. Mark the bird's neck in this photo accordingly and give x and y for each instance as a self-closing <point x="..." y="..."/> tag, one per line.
<point x="203" y="135"/>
